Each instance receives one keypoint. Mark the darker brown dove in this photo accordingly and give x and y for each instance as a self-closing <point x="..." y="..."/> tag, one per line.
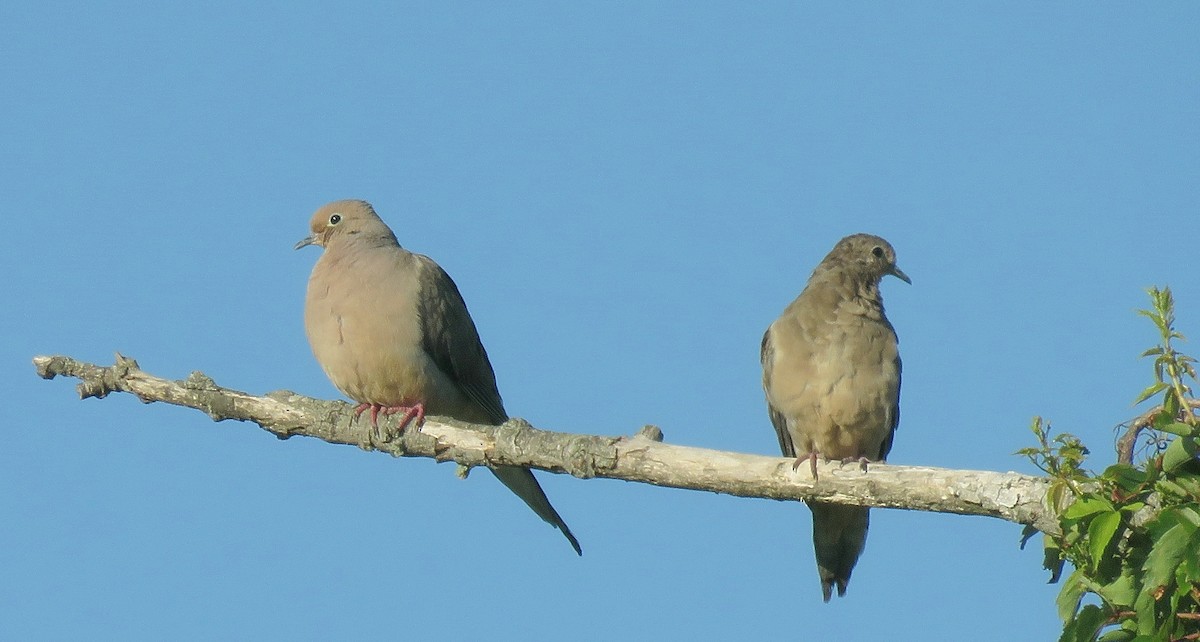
<point x="392" y="332"/>
<point x="831" y="373"/>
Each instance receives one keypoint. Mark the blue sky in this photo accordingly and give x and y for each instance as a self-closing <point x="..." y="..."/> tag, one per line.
<point x="627" y="195"/>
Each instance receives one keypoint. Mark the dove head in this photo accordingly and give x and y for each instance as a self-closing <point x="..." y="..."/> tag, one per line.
<point x="866" y="256"/>
<point x="344" y="222"/>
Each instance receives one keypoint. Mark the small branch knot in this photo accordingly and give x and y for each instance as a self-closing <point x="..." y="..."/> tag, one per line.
<point x="49" y="367"/>
<point x="100" y="382"/>
<point x="651" y="432"/>
<point x="586" y="457"/>
<point x="199" y="381"/>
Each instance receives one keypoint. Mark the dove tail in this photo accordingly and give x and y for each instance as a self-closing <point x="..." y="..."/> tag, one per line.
<point x="839" y="535"/>
<point x="522" y="482"/>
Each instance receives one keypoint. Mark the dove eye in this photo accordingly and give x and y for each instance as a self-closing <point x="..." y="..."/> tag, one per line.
<point x="335" y="219"/>
<point x="877" y="251"/>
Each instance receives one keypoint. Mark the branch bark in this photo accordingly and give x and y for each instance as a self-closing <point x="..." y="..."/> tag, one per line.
<point x="641" y="458"/>
<point x="1127" y="444"/>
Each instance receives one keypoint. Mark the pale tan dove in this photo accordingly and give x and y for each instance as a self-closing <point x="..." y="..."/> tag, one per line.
<point x="392" y="332"/>
<point x="831" y="372"/>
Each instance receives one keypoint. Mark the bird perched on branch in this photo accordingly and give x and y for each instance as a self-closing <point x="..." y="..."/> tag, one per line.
<point x="831" y="373"/>
<point x="392" y="332"/>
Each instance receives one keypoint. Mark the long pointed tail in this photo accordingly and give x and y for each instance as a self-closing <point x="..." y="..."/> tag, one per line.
<point x="839" y="535"/>
<point x="522" y="482"/>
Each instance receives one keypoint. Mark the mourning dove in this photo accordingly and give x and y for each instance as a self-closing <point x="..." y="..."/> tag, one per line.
<point x="831" y="373"/>
<point x="392" y="332"/>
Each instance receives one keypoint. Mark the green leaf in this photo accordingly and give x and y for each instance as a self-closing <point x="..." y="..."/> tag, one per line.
<point x="1167" y="519"/>
<point x="1127" y="477"/>
<point x="1132" y="507"/>
<point x="1162" y="417"/>
<point x="1165" y="555"/>
<point x="1171" y="487"/>
<point x="1085" y="626"/>
<point x="1182" y="573"/>
<point x="1054" y="494"/>
<point x="1100" y="534"/>
<point x="1190" y="485"/>
<point x="1069" y="596"/>
<point x="1150" y="392"/>
<point x="1121" y="592"/>
<point x="1170" y="406"/>
<point x="1191" y="513"/>
<point x="1181" y="451"/>
<point x="1190" y="567"/>
<point x="1087" y="506"/>
<point x="1153" y="351"/>
<point x="1052" y="561"/>
<point x="1176" y="428"/>
<point x="1123" y="634"/>
<point x="1144" y="607"/>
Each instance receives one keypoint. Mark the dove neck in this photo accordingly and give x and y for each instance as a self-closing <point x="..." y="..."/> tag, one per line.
<point x="370" y="240"/>
<point x="841" y="288"/>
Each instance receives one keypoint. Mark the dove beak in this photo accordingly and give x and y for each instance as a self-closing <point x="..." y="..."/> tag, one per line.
<point x="899" y="274"/>
<point x="309" y="240"/>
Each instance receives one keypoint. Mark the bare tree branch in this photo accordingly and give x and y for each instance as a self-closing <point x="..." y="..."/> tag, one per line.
<point x="641" y="458"/>
<point x="1127" y="443"/>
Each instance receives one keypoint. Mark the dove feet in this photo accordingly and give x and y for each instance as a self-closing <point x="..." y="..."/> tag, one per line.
<point x="413" y="412"/>
<point x="811" y="458"/>
<point x="862" y="462"/>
